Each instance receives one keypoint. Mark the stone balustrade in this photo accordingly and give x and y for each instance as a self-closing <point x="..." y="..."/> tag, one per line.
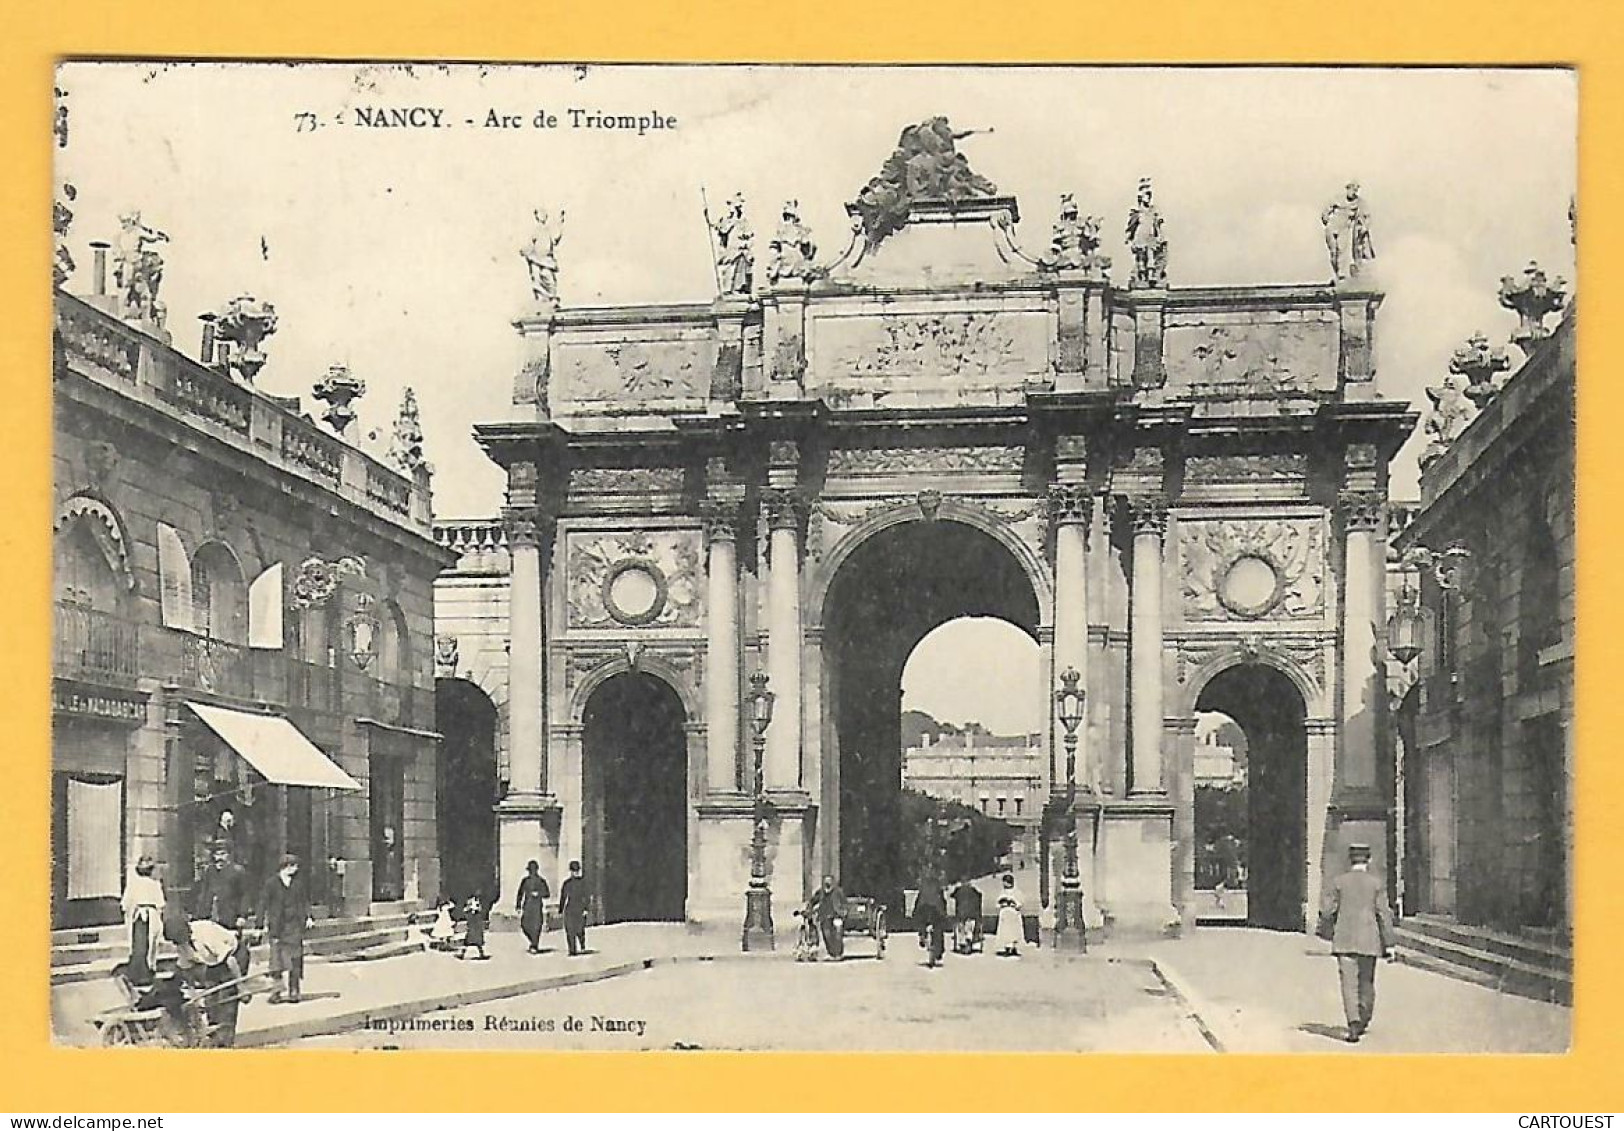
<point x="120" y="357"/>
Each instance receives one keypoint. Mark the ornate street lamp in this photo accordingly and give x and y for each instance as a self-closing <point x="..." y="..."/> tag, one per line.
<point x="758" y="898"/>
<point x="1069" y="928"/>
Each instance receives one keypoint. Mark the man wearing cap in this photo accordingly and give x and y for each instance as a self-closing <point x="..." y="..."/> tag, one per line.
<point x="222" y="897"/>
<point x="286" y="909"/>
<point x="572" y="899"/>
<point x="1361" y="928"/>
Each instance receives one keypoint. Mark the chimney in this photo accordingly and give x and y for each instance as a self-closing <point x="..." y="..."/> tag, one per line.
<point x="99" y="268"/>
<point x="207" y="353"/>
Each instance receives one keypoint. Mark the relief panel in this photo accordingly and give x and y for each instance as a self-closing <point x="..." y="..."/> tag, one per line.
<point x="632" y="372"/>
<point x="950" y="346"/>
<point x="635" y="579"/>
<point x="1252" y="569"/>
<point x="1259" y="357"/>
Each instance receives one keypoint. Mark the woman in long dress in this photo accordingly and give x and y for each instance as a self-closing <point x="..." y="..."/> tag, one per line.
<point x="1011" y="932"/>
<point x="143" y="905"/>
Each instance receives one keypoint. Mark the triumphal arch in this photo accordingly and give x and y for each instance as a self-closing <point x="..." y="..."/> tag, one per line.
<point x="1177" y="492"/>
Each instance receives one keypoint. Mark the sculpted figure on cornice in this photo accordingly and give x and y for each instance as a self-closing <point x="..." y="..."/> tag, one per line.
<point x="635" y="578"/>
<point x="1252" y="569"/>
<point x="792" y="247"/>
<point x="735" y="251"/>
<point x="138" y="268"/>
<point x="1145" y="240"/>
<point x="540" y="255"/>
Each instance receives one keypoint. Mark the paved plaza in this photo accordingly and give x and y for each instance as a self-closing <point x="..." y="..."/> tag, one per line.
<point x="1222" y="989"/>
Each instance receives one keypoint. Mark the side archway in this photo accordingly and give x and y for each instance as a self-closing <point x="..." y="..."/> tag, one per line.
<point x="466" y="790"/>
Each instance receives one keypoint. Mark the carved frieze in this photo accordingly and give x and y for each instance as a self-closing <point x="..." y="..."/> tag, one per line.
<point x="626" y="480"/>
<point x="1247" y="468"/>
<point x="1261" y="357"/>
<point x="1252" y="569"/>
<point x="633" y="371"/>
<point x="894" y="461"/>
<point x="634" y="579"/>
<point x="957" y="345"/>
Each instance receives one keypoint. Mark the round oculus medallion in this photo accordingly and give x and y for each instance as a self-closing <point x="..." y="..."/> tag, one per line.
<point x="634" y="592"/>
<point x="1250" y="586"/>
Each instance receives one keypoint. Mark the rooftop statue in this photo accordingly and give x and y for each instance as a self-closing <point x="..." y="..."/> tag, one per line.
<point x="1076" y="238"/>
<point x="736" y="255"/>
<point x="1347" y="234"/>
<point x="1452" y="411"/>
<point x="541" y="255"/>
<point x="138" y="269"/>
<point x="792" y="247"/>
<point x="926" y="165"/>
<point x="1146" y="241"/>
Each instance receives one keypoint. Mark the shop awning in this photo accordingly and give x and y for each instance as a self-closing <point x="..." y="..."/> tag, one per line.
<point x="274" y="747"/>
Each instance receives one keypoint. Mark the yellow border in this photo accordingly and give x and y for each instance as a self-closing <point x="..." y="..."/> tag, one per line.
<point x="40" y="1078"/>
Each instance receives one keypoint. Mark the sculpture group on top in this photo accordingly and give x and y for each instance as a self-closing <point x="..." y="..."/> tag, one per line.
<point x="138" y="269"/>
<point x="1347" y="234"/>
<point x="925" y="165"/>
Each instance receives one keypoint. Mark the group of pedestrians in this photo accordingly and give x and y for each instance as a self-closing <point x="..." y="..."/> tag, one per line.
<point x="931" y="915"/>
<point x="531" y="907"/>
<point x="212" y="932"/>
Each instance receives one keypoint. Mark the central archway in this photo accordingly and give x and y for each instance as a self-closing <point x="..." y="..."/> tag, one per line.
<point x="887" y="594"/>
<point x="634" y="772"/>
<point x="1263" y="843"/>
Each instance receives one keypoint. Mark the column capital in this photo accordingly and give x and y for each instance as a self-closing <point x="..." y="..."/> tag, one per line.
<point x="784" y="508"/>
<point x="1362" y="511"/>
<point x="525" y="526"/>
<point x="721" y="518"/>
<point x="1070" y="504"/>
<point x="1148" y="514"/>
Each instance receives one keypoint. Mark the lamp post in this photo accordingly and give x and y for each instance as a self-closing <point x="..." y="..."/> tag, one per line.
<point x="1069" y="927"/>
<point x="758" y="898"/>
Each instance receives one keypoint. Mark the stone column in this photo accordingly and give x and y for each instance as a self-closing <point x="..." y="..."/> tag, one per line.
<point x="1149" y="517"/>
<point x="783" y="755"/>
<point x="1363" y="681"/>
<point x="1070" y="508"/>
<point x="722" y="749"/>
<point x="520" y="832"/>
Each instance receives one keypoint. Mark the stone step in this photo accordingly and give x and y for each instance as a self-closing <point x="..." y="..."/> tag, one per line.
<point x="1543" y="982"/>
<point x="1536" y="950"/>
<point x="328" y="939"/>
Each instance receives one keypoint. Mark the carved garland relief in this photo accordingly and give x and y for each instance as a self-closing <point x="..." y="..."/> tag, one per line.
<point x="635" y="579"/>
<point x="886" y="461"/>
<point x="1252" y="569"/>
<point x="634" y="371"/>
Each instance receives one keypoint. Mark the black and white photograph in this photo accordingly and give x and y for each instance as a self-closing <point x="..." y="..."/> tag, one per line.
<point x="911" y="558"/>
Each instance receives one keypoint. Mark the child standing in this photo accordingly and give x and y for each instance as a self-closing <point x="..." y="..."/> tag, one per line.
<point x="474" y="927"/>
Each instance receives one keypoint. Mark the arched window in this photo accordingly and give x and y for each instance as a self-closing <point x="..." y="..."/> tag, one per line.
<point x="84" y="576"/>
<point x="219" y="595"/>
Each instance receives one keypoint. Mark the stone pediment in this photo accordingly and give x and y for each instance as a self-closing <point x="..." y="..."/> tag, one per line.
<point x="942" y="243"/>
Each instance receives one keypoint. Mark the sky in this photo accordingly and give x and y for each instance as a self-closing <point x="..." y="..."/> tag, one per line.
<point x="395" y="251"/>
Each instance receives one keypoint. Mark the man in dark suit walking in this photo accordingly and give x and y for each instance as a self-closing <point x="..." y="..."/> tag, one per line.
<point x="1360" y="923"/>
<point x="572" y="896"/>
<point x="286" y="909"/>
